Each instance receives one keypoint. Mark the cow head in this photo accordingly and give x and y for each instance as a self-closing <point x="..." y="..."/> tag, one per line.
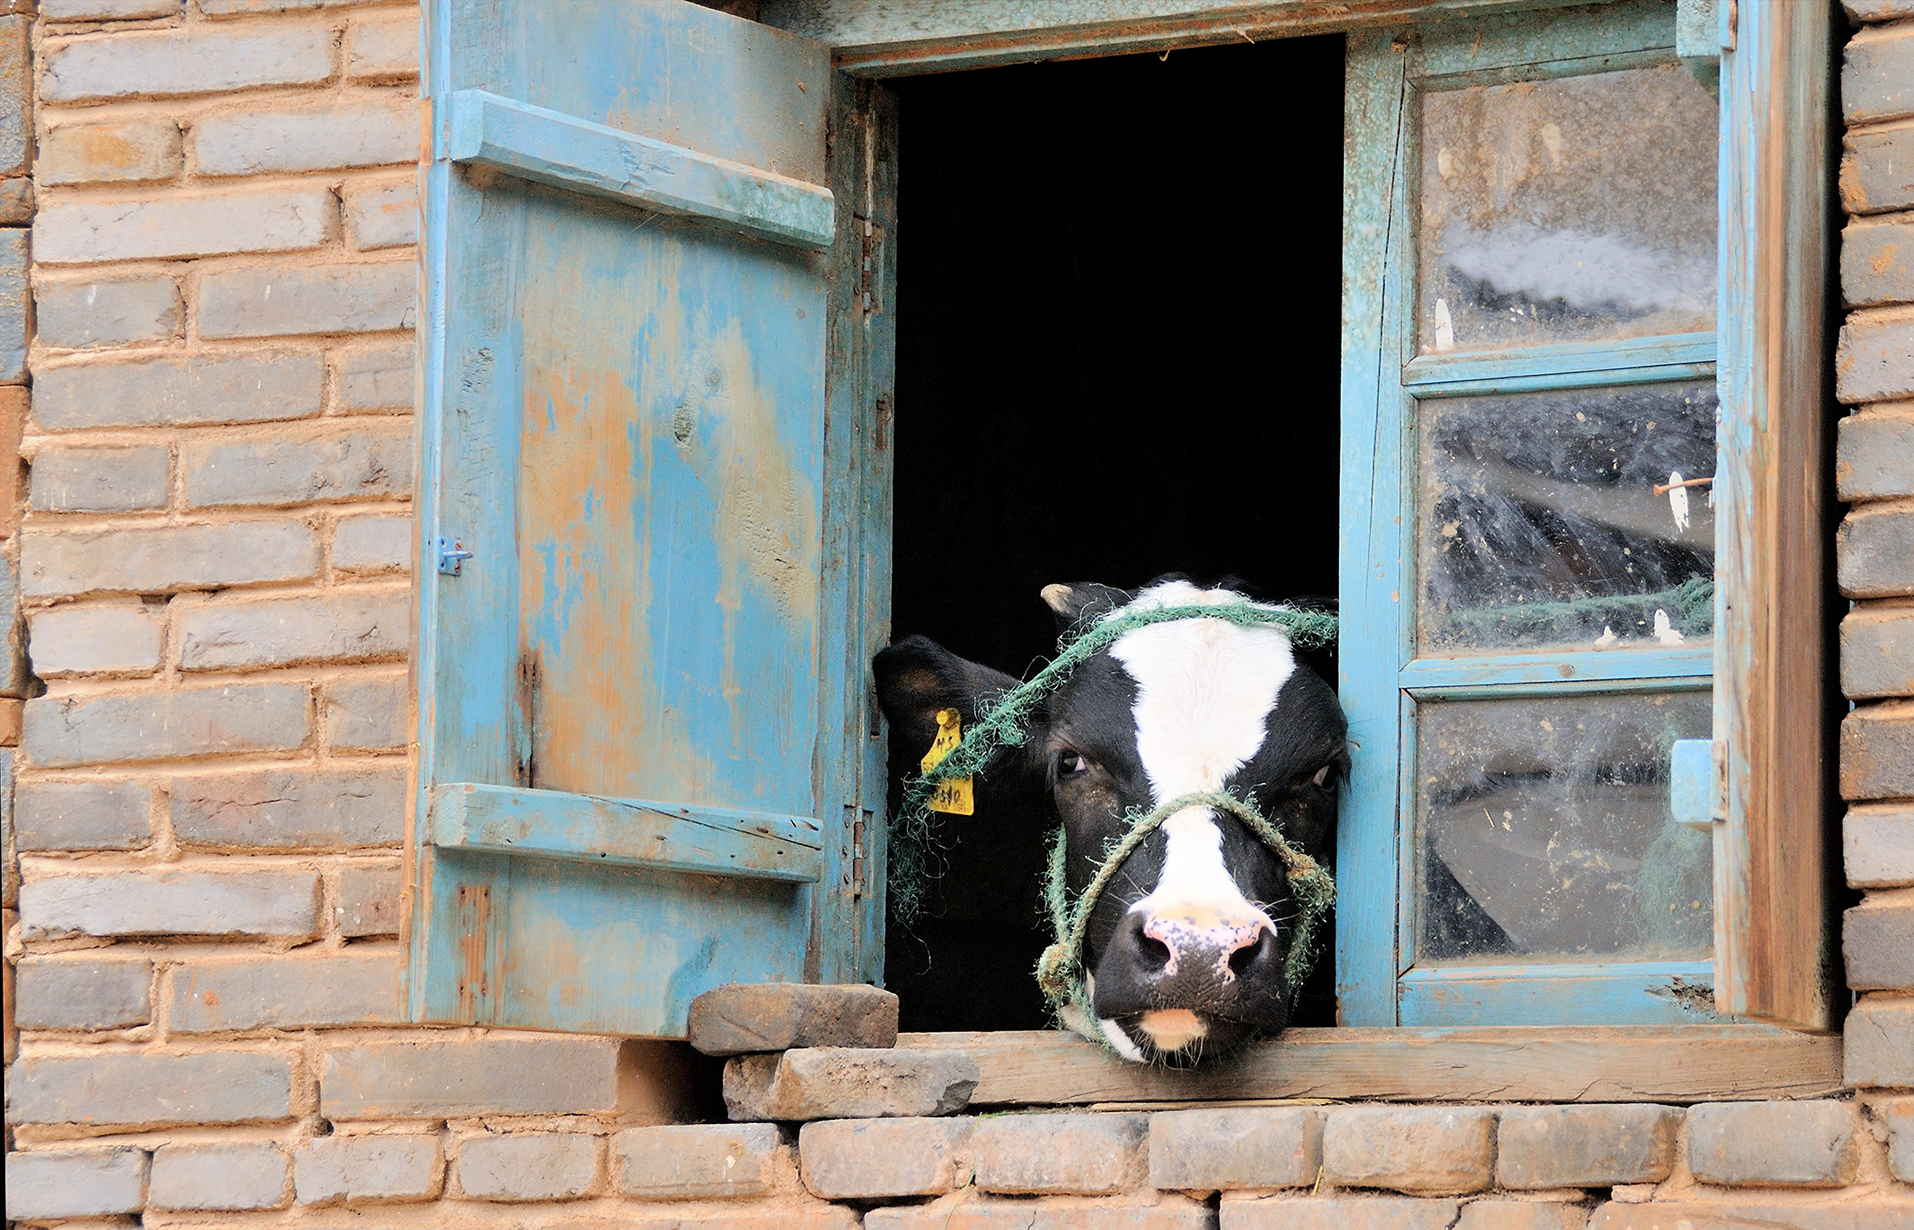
<point x="1186" y="948"/>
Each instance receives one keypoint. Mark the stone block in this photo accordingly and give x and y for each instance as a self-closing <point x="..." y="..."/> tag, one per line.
<point x="372" y="544"/>
<point x="1877" y="1048"/>
<point x="697" y="1161"/>
<point x="291" y="809"/>
<point x="383" y="47"/>
<point x="378" y="377"/>
<point x="1877" y="938"/>
<point x="1878" y="10"/>
<point x="1877" y="751"/>
<point x="965" y="1212"/>
<point x="1521" y="1215"/>
<point x="1877" y="845"/>
<point x="1898" y="1117"/>
<point x="373" y="133"/>
<point x="170" y="901"/>
<point x="1874" y="456"/>
<point x="67" y="731"/>
<point x="1585" y="1146"/>
<point x="1337" y="1213"/>
<point x="848" y="1083"/>
<point x="1877" y="263"/>
<point x="464" y="1077"/>
<point x="1801" y="1144"/>
<point x="16" y="201"/>
<point x="51" y="1183"/>
<point x="1877" y="653"/>
<point x="332" y="299"/>
<point x="371" y="461"/>
<point x="1877" y="75"/>
<point x="82" y="991"/>
<point x="1062" y="1154"/>
<point x="382" y="215"/>
<point x="129" y="152"/>
<point x="83" y="231"/>
<point x="148" y="1089"/>
<point x="742" y="1018"/>
<point x="1779" y="1214"/>
<point x="1425" y="1150"/>
<point x="130" y="478"/>
<point x="330" y="1169"/>
<point x="179" y="392"/>
<point x="168" y="558"/>
<point x="1872" y="549"/>
<point x="884" y="1159"/>
<point x="16" y="89"/>
<point x="332" y="625"/>
<point x="1235" y="1148"/>
<point x="1874" y="359"/>
<point x="95" y="640"/>
<point x="193" y="60"/>
<point x="107" y="312"/>
<point x="106" y="10"/>
<point x="542" y="1166"/>
<point x="225" y="1177"/>
<point x="287" y="992"/>
<point x="368" y="901"/>
<point x="96" y="814"/>
<point x="368" y="715"/>
<point x="1877" y="170"/>
<point x="14" y="297"/>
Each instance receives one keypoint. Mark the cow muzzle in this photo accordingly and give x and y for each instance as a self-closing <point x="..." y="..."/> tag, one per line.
<point x="1191" y="975"/>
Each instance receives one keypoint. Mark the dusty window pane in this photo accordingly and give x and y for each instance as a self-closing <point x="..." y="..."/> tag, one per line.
<point x="1538" y="525"/>
<point x="1543" y="831"/>
<point x="1569" y="210"/>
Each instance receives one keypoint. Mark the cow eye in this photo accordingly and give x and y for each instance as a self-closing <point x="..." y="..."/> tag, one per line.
<point x="1072" y="764"/>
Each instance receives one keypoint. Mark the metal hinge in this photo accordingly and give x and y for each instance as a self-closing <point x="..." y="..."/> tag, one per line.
<point x="452" y="554"/>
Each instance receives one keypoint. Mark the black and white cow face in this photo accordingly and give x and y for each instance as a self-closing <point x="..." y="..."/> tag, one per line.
<point x="1186" y="947"/>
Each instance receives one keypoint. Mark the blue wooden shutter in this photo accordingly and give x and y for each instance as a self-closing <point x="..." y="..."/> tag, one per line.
<point x="652" y="364"/>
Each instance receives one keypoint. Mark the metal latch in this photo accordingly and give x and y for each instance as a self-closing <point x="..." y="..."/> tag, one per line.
<point x="1697" y="783"/>
<point x="452" y="554"/>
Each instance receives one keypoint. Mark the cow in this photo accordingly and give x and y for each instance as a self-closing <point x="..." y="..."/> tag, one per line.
<point x="1185" y="950"/>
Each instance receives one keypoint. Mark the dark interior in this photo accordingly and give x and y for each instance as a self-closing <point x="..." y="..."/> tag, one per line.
<point x="1119" y="320"/>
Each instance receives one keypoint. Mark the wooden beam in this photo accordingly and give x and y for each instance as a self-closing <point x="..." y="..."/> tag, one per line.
<point x="1697" y="1063"/>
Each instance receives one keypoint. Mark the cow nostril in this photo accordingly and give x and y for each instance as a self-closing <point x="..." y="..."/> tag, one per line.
<point x="1244" y="957"/>
<point x="1155" y="953"/>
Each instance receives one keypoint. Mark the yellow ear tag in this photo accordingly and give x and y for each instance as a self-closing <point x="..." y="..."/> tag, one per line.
<point x="953" y="796"/>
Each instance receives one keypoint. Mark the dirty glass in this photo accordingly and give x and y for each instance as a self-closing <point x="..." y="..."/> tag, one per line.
<point x="1576" y="209"/>
<point x="1540" y="523"/>
<point x="1543" y="831"/>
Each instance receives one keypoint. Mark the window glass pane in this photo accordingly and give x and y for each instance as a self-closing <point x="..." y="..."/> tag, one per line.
<point x="1538" y="524"/>
<point x="1576" y="209"/>
<point x="1544" y="832"/>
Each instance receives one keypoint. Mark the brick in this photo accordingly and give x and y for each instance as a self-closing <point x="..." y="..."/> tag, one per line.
<point x="66" y="731"/>
<point x="179" y="392"/>
<point x="14" y="297"/>
<point x="1423" y="1150"/>
<point x="1877" y="751"/>
<point x="194" y="60"/>
<point x="359" y="1168"/>
<point x="741" y="1018"/>
<point x="848" y="1083"/>
<point x="368" y="901"/>
<point x="1878" y="846"/>
<point x="1877" y="170"/>
<point x="16" y="201"/>
<point x="1878" y="1043"/>
<point x="1877" y="75"/>
<point x="332" y="299"/>
<point x="1877" y="938"/>
<point x="173" y="902"/>
<point x="1877" y="263"/>
<point x="106" y="10"/>
<point x="1898" y="1116"/>
<point x="1874" y="1214"/>
<point x="1874" y="358"/>
<point x="1089" y="1155"/>
<point x="697" y="1161"/>
<point x="545" y="1166"/>
<point x="291" y="809"/>
<point x="287" y="992"/>
<point x="131" y="152"/>
<point x="1521" y="1215"/>
<point x="75" y="1183"/>
<point x="16" y="89"/>
<point x="1804" y="1144"/>
<point x="1339" y="1213"/>
<point x="107" y="312"/>
<point x="968" y="1213"/>
<point x="1877" y="653"/>
<point x="342" y="624"/>
<point x="240" y="8"/>
<point x="1235" y="1149"/>
<point x="89" y="815"/>
<point x="131" y="478"/>
<point x="255" y="142"/>
<point x="383" y="46"/>
<point x="372" y="461"/>
<point x="382" y="215"/>
<point x="881" y="1159"/>
<point x="166" y="559"/>
<point x="1872" y="548"/>
<point x="368" y="715"/>
<point x="372" y="544"/>
<point x="94" y="640"/>
<point x="83" y="992"/>
<point x="1874" y="456"/>
<point x="378" y="377"/>
<point x="1878" y="10"/>
<point x="1585" y="1146"/>
<point x="150" y="1088"/>
<point x="15" y="402"/>
<point x="219" y="1177"/>
<point x="485" y="1076"/>
<point x="78" y="232"/>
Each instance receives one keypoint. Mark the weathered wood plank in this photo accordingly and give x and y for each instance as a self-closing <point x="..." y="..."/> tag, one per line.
<point x="1495" y="370"/>
<point x="1668" y="1064"/>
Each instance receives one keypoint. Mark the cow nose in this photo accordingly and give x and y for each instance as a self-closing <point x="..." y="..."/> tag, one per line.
<point x="1199" y="958"/>
<point x="1207" y="942"/>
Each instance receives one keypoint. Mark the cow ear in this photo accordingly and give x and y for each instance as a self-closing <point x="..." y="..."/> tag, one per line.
<point x="1082" y="600"/>
<point x="917" y="677"/>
